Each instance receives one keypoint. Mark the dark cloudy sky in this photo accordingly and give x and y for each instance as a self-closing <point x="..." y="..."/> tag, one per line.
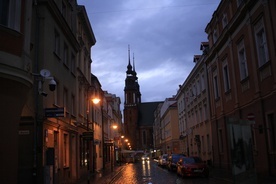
<point x="164" y="35"/>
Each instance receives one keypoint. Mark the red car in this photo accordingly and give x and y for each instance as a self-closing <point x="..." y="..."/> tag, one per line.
<point x="192" y="166"/>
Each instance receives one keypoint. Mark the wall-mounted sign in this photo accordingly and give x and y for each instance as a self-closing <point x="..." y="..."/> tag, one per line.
<point x="54" y="112"/>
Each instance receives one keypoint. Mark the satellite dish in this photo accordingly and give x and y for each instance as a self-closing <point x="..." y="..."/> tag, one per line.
<point x="45" y="73"/>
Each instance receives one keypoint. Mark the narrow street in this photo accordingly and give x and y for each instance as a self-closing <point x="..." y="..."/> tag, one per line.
<point x="150" y="173"/>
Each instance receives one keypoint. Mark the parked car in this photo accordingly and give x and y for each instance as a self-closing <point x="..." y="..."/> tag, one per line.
<point x="172" y="161"/>
<point x="162" y="161"/>
<point x="192" y="166"/>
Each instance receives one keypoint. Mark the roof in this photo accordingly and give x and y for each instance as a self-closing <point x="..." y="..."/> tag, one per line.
<point x="146" y="113"/>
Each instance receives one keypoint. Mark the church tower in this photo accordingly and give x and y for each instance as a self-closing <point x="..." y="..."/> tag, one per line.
<point x="131" y="104"/>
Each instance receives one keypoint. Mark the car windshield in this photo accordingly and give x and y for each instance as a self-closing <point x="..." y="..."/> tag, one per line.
<point x="192" y="160"/>
<point x="176" y="158"/>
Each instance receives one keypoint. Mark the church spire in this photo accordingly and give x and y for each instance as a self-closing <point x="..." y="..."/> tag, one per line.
<point x="129" y="67"/>
<point x="134" y="72"/>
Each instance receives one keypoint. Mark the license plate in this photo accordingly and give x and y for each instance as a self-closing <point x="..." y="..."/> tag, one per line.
<point x="197" y="170"/>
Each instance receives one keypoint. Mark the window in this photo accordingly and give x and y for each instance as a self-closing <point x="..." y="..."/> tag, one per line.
<point x="73" y="63"/>
<point x="203" y="144"/>
<point x="82" y="152"/>
<point x="261" y="44"/>
<point x="63" y="10"/>
<point x="80" y="105"/>
<point x="239" y="2"/>
<point x="73" y="110"/>
<point x="83" y="66"/>
<point x="100" y="149"/>
<point x="216" y="87"/>
<point x="224" y="20"/>
<point x="10" y="13"/>
<point x="56" y="98"/>
<point x="57" y="44"/>
<point x="195" y="90"/>
<point x="205" y="112"/>
<point x="196" y="117"/>
<point x="65" y="55"/>
<point x="242" y="60"/>
<point x="65" y="97"/>
<point x="201" y="118"/>
<point x="202" y="82"/>
<point x="220" y="141"/>
<point x="198" y="87"/>
<point x="226" y="77"/>
<point x="65" y="150"/>
<point x="208" y="143"/>
<point x="215" y="36"/>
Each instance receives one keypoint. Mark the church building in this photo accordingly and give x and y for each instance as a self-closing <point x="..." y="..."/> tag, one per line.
<point x="138" y="116"/>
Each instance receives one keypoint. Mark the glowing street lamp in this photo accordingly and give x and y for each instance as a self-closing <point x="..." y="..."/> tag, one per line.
<point x="96" y="100"/>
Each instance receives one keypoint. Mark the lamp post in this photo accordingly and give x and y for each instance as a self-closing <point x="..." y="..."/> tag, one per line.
<point x="87" y="146"/>
<point x="121" y="148"/>
<point x="95" y="101"/>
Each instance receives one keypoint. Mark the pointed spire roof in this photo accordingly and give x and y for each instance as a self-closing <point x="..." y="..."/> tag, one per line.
<point x="129" y="67"/>
<point x="134" y="72"/>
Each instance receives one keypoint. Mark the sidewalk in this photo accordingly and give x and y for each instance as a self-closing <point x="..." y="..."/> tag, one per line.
<point x="247" y="178"/>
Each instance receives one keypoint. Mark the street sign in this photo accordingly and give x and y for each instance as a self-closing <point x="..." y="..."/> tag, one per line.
<point x="54" y="112"/>
<point x="250" y="116"/>
<point x="87" y="135"/>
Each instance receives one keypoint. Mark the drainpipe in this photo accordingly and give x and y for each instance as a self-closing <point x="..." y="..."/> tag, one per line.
<point x="36" y="96"/>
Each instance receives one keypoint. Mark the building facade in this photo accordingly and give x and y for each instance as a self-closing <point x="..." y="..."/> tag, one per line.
<point x="52" y="147"/>
<point x="15" y="79"/>
<point x="193" y="110"/>
<point x="241" y="75"/>
<point x="157" y="132"/>
<point x="170" y="142"/>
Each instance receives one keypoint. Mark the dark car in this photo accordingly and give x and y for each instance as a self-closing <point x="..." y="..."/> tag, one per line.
<point x="162" y="161"/>
<point x="192" y="166"/>
<point x="172" y="161"/>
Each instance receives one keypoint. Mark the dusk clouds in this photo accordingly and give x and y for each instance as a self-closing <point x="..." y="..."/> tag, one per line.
<point x="164" y="35"/>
